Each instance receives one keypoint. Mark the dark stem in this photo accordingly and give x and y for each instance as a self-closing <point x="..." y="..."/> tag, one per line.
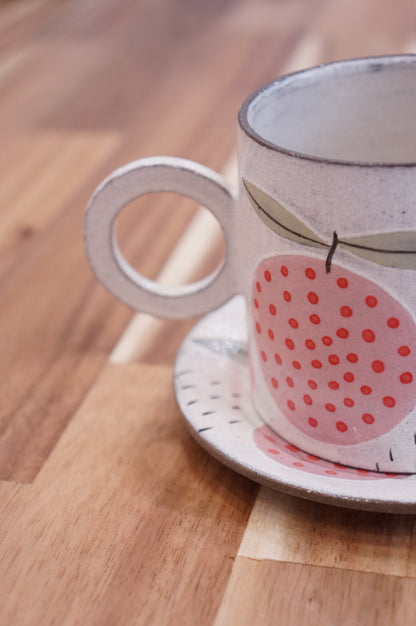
<point x="331" y="252"/>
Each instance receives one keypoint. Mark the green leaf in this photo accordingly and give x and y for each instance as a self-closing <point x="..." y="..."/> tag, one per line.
<point x="279" y="219"/>
<point x="396" y="249"/>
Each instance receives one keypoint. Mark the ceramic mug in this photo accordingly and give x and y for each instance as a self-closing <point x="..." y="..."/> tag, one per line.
<point x="321" y="240"/>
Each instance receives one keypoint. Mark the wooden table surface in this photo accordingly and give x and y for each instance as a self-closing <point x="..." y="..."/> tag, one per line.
<point x="110" y="513"/>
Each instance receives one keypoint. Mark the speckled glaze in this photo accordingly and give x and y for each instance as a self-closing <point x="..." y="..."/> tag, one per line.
<point x="354" y="199"/>
<point x="323" y="228"/>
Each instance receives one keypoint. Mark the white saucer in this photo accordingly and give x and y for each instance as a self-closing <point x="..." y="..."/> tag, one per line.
<point x="212" y="390"/>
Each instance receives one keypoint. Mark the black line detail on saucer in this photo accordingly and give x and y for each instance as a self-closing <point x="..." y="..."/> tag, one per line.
<point x="188" y="371"/>
<point x="188" y="387"/>
<point x="377" y="467"/>
<point x="391" y="455"/>
<point x="208" y="412"/>
<point x="201" y="430"/>
<point x="191" y="402"/>
<point x="236" y="407"/>
<point x="235" y="422"/>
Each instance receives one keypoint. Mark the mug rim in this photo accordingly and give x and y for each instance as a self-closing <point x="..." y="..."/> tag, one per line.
<point x="248" y="129"/>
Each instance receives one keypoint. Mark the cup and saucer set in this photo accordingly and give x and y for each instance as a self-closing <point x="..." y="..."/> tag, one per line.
<point x="302" y="373"/>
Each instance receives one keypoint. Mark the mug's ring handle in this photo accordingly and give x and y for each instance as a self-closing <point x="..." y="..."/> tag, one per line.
<point x="110" y="267"/>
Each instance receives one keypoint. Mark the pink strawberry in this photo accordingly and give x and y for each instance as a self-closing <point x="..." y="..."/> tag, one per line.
<point x="338" y="353"/>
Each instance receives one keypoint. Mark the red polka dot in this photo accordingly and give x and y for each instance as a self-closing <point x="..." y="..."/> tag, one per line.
<point x="352" y="357"/>
<point x="263" y="356"/>
<point x="307" y="399"/>
<point x="291" y="447"/>
<point x="290" y="382"/>
<point x="368" y="335"/>
<point x="296" y="365"/>
<point x="289" y="343"/>
<point x="349" y="377"/>
<point x="310" y="273"/>
<point x="327" y="341"/>
<point x="333" y="385"/>
<point x="273" y="451"/>
<point x="378" y="366"/>
<point x="275" y="384"/>
<point x="345" y="311"/>
<point x="349" y="402"/>
<point x="315" y="319"/>
<point x="316" y="364"/>
<point x="293" y="323"/>
<point x="393" y="322"/>
<point x="313" y="297"/>
<point x="310" y="344"/>
<point x="313" y="422"/>
<point x="342" y="282"/>
<point x="406" y="378"/>
<point x="342" y="333"/>
<point x="272" y="309"/>
<point x="404" y="350"/>
<point x="284" y="271"/>
<point x="330" y="407"/>
<point x="368" y="418"/>
<point x="256" y="303"/>
<point x="258" y="286"/>
<point x="333" y="359"/>
<point x="277" y="359"/>
<point x="389" y="402"/>
<point x="312" y="384"/>
<point x="270" y="333"/>
<point x="267" y="276"/>
<point x="287" y="296"/>
<point x="298" y="464"/>
<point x="342" y="427"/>
<point x="366" y="390"/>
<point x="331" y="472"/>
<point x="312" y="457"/>
<point x="291" y="405"/>
<point x="371" y="301"/>
<point x="258" y="327"/>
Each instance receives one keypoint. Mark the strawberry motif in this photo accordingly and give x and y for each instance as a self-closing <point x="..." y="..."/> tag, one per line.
<point x="338" y="353"/>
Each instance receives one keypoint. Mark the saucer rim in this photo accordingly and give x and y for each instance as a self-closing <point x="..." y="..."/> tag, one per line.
<point x="274" y="481"/>
<point x="390" y="506"/>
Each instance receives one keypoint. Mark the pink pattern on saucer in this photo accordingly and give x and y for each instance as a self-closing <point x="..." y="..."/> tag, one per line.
<point x="284" y="453"/>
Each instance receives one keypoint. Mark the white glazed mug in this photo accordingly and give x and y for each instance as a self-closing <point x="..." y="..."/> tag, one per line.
<point x="321" y="240"/>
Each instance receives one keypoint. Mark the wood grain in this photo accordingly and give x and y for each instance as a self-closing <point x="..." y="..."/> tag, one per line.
<point x="91" y="530"/>
<point x="285" y="528"/>
<point x="268" y="592"/>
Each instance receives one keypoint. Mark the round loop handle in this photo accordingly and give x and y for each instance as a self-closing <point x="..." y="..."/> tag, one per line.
<point x="110" y="267"/>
